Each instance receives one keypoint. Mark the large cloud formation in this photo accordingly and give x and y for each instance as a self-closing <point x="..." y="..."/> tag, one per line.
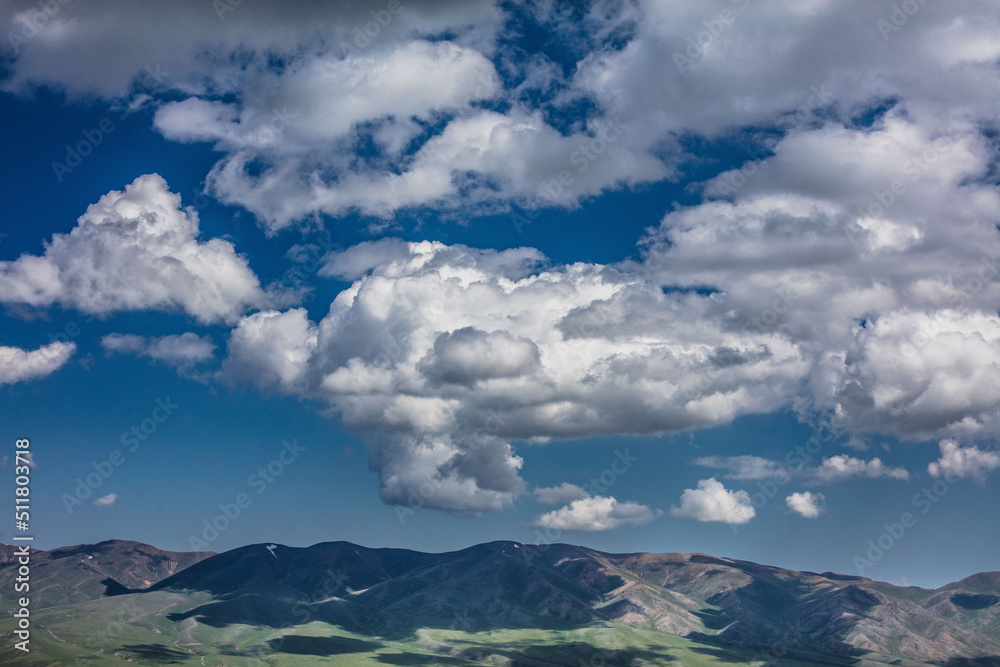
<point x="849" y="269"/>
<point x="382" y="108"/>
<point x="446" y="355"/>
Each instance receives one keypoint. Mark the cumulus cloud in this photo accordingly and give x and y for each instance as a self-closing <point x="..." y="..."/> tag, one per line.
<point x="830" y="56"/>
<point x="444" y="357"/>
<point x="272" y="350"/>
<point x="961" y="462"/>
<point x="560" y="495"/>
<point x="17" y="365"/>
<point x="183" y="350"/>
<point x="595" y="513"/>
<point x="922" y="373"/>
<point x="806" y="504"/>
<point x="863" y="280"/>
<point x="711" y="501"/>
<point x="136" y="250"/>
<point x="105" y="501"/>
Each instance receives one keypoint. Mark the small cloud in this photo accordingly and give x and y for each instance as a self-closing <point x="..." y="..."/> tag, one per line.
<point x="856" y="443"/>
<point x="742" y="467"/>
<point x="842" y="467"/>
<point x="806" y="504"/>
<point x="105" y="501"/>
<point x="712" y="502"/>
<point x="595" y="513"/>
<point x="958" y="461"/>
<point x="563" y="494"/>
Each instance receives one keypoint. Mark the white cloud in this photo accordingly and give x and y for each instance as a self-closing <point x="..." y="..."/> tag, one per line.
<point x="961" y="462"/>
<point x="764" y="66"/>
<point x="105" y="501"/>
<point x="481" y="158"/>
<point x="272" y="350"/>
<point x="806" y="504"/>
<point x="843" y="467"/>
<point x="17" y="365"/>
<point x="182" y="350"/>
<point x="356" y="261"/>
<point x="444" y="357"/>
<point x="327" y="97"/>
<point x="560" y="495"/>
<point x="921" y="374"/>
<point x="312" y="88"/>
<point x="136" y="250"/>
<point x="197" y="46"/>
<point x="712" y="502"/>
<point x="595" y="513"/>
<point x="890" y="296"/>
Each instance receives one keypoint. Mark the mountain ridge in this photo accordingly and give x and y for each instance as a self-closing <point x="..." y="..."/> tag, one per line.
<point x="406" y="596"/>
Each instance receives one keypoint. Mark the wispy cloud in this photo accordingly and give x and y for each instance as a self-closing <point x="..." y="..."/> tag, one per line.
<point x="105" y="501"/>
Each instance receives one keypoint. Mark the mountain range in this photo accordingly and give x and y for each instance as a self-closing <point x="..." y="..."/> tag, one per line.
<point x="500" y="603"/>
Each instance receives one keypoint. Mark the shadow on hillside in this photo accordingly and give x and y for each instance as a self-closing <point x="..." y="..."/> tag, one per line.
<point x="322" y="646"/>
<point x="269" y="611"/>
<point x="737" y="653"/>
<point x="569" y="653"/>
<point x="162" y="655"/>
<point x="987" y="661"/>
<point x="419" y="659"/>
<point x="113" y="588"/>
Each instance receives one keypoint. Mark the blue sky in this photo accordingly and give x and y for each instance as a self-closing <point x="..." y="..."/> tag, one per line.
<point x="639" y="276"/>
